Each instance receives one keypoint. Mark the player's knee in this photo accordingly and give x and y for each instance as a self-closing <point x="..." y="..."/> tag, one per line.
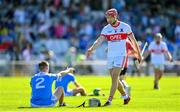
<point x="60" y="88"/>
<point x="81" y="89"/>
<point x="121" y="78"/>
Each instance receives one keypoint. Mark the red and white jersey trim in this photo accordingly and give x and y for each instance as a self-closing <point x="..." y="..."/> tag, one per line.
<point x="158" y="51"/>
<point x="116" y="37"/>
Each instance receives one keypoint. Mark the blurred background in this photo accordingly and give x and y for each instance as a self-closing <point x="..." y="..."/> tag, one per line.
<point x="60" y="31"/>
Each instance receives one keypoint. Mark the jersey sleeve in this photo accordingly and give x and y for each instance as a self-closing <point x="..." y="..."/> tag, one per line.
<point x="129" y="31"/>
<point x="103" y="32"/>
<point x="165" y="46"/>
<point x="72" y="78"/>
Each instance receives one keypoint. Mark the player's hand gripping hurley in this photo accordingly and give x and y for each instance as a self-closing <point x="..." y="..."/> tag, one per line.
<point x="137" y="63"/>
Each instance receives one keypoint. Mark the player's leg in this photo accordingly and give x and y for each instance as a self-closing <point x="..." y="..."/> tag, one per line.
<point x="122" y="79"/>
<point x="121" y="88"/>
<point x="115" y="81"/>
<point x="161" y="70"/>
<point x="126" y="96"/>
<point x="120" y="85"/>
<point x="115" y="66"/>
<point x="110" y="66"/>
<point x="160" y="74"/>
<point x="118" y="65"/>
<point x="59" y="94"/>
<point x="158" y="71"/>
<point x="156" y="78"/>
<point x="80" y="90"/>
<point x="114" y="84"/>
<point x="111" y="74"/>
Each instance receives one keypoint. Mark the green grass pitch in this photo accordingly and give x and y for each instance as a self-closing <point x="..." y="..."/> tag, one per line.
<point x="15" y="93"/>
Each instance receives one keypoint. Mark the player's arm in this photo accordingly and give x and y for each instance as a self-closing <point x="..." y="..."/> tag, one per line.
<point x="134" y="41"/>
<point x="95" y="45"/>
<point x="64" y="72"/>
<point x="169" y="56"/>
<point x="167" y="53"/>
<point x="76" y="84"/>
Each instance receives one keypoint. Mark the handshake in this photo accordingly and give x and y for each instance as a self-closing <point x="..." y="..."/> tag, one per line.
<point x="71" y="70"/>
<point x="68" y="70"/>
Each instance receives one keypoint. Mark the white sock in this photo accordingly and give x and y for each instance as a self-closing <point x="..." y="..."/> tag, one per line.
<point x="125" y="96"/>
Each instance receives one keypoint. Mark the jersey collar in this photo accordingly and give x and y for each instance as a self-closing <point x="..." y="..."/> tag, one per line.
<point x="41" y="73"/>
<point x="116" y="25"/>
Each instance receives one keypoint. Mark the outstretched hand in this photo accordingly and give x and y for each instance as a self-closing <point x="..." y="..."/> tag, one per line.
<point x="140" y="59"/>
<point x="71" y="70"/>
<point x="68" y="70"/>
<point x="89" y="52"/>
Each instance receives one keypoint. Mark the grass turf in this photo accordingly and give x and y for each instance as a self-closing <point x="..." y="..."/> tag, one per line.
<point x="15" y="95"/>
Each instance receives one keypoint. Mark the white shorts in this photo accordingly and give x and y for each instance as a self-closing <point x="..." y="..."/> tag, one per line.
<point x="69" y="93"/>
<point x="118" y="61"/>
<point x="54" y="100"/>
<point x="159" y="66"/>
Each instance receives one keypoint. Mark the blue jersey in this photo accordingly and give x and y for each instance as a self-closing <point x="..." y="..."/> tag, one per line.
<point x="64" y="81"/>
<point x="41" y="84"/>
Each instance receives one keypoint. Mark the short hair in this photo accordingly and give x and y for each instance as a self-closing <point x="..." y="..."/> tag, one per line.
<point x="42" y="65"/>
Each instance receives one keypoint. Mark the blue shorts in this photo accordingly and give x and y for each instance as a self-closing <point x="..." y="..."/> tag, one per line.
<point x="54" y="100"/>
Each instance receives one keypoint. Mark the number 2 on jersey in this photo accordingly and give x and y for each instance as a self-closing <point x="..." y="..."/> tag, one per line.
<point x="39" y="84"/>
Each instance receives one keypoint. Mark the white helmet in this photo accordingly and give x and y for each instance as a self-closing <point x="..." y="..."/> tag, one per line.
<point x="158" y="35"/>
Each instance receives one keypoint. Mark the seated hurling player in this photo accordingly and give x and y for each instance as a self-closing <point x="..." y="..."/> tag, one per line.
<point x="41" y="85"/>
<point x="65" y="81"/>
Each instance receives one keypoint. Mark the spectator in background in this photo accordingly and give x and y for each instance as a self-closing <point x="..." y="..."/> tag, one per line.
<point x="118" y="4"/>
<point x="27" y="57"/>
<point x="60" y="29"/>
<point x="20" y="15"/>
<point x="177" y="32"/>
<point x="71" y="56"/>
<point x="83" y="42"/>
<point x="35" y="19"/>
<point x="48" y="56"/>
<point x="86" y="29"/>
<point x="27" y="53"/>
